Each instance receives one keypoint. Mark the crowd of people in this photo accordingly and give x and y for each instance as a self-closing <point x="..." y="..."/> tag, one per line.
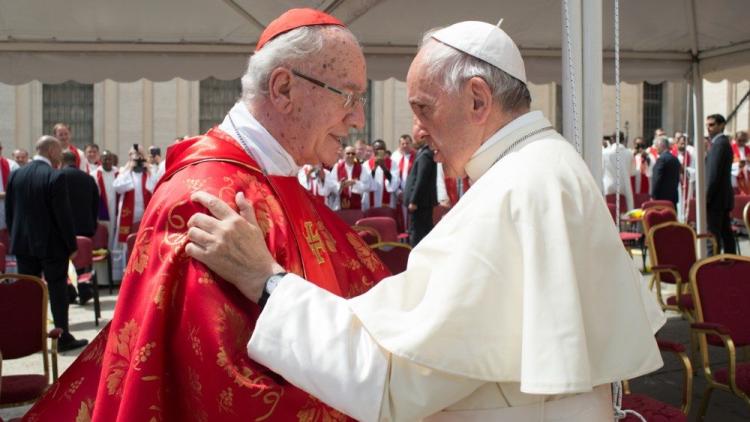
<point x="665" y="169"/>
<point x="64" y="192"/>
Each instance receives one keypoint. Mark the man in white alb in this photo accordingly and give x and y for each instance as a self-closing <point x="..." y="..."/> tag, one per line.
<point x="352" y="182"/>
<point x="105" y="176"/>
<point x="385" y="179"/>
<point x="521" y="305"/>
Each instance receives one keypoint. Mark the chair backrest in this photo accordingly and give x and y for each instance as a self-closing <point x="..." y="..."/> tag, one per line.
<point x="672" y="243"/>
<point x="657" y="203"/>
<point x="5" y="238"/>
<point x="746" y="216"/>
<point x="23" y="312"/>
<point x="394" y="255"/>
<point x="739" y="206"/>
<point x="656" y="215"/>
<point x="386" y="227"/>
<point x="130" y="243"/>
<point x="385" y="212"/>
<point x="368" y="234"/>
<point x="691" y="212"/>
<point x="721" y="288"/>
<point x="350" y="216"/>
<point x="438" y="212"/>
<point x="101" y="237"/>
<point x="611" y="198"/>
<point x="85" y="254"/>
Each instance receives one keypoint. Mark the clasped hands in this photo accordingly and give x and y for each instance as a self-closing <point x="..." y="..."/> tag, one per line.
<point x="231" y="244"/>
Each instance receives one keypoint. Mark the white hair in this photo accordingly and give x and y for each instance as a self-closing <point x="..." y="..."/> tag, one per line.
<point x="452" y="68"/>
<point x="291" y="49"/>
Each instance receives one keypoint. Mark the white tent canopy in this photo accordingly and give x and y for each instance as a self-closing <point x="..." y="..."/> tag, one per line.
<point x="93" y="40"/>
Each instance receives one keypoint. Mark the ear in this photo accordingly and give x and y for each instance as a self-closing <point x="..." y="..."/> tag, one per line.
<point x="279" y="89"/>
<point x="481" y="97"/>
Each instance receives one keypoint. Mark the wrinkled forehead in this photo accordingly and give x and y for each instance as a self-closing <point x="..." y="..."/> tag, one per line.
<point x="341" y="61"/>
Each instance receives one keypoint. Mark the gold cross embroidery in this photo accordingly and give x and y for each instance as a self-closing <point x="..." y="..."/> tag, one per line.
<point x="314" y="242"/>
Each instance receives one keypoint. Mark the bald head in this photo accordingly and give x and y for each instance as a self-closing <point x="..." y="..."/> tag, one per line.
<point x="49" y="147"/>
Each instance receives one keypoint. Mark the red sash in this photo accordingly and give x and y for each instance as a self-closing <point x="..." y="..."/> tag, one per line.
<point x="74" y="150"/>
<point x="127" y="213"/>
<point x="348" y="198"/>
<point x="386" y="202"/>
<point x="409" y="164"/>
<point x="104" y="212"/>
<point x="5" y="170"/>
<point x="451" y="187"/>
<point x="736" y="152"/>
<point x="743" y="184"/>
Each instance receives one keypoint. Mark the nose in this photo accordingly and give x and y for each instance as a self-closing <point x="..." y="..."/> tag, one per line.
<point x="356" y="118"/>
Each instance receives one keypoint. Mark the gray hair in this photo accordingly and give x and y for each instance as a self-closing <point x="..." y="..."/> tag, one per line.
<point x="453" y="68"/>
<point x="293" y="48"/>
<point x="661" y="143"/>
<point x="45" y="143"/>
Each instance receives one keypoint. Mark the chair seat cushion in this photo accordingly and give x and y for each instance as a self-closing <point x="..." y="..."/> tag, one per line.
<point x="22" y="388"/>
<point x="686" y="301"/>
<point x="651" y="409"/>
<point x="84" y="278"/>
<point x="630" y="236"/>
<point x="743" y="376"/>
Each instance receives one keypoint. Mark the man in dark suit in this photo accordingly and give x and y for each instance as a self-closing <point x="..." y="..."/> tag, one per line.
<point x="83" y="194"/>
<point x="719" y="195"/>
<point x="420" y="192"/>
<point x="665" y="176"/>
<point x="40" y="224"/>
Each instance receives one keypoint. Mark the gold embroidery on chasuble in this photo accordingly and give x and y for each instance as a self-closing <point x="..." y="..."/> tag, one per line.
<point x="232" y="327"/>
<point x="194" y="185"/>
<point x="95" y="352"/>
<point x="196" y="393"/>
<point x="327" y="238"/>
<point x="126" y="356"/>
<point x="205" y="278"/>
<point x="314" y="411"/>
<point x="246" y="378"/>
<point x="85" y="411"/>
<point x="139" y="259"/>
<point x="195" y="342"/>
<point x="364" y="252"/>
<point x="314" y="242"/>
<point x="225" y="401"/>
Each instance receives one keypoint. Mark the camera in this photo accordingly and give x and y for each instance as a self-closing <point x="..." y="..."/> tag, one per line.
<point x="140" y="162"/>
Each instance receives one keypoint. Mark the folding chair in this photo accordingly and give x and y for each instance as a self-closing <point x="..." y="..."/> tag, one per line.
<point x="23" y="332"/>
<point x="102" y="252"/>
<point x="721" y="290"/>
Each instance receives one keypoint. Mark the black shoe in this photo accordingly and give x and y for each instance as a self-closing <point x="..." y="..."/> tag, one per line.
<point x="68" y="342"/>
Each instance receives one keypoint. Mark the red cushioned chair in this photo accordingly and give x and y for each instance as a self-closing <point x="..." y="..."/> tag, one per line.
<point x="691" y="215"/>
<point x="438" y="212"/>
<point x="630" y="239"/>
<point x="657" y="203"/>
<point x="394" y="255"/>
<point x="746" y="216"/>
<point x="656" y="215"/>
<point x="83" y="261"/>
<point x="655" y="410"/>
<point x="386" y="227"/>
<point x="386" y="212"/>
<point x="23" y="332"/>
<point x="102" y="252"/>
<point x="368" y="234"/>
<point x="350" y="216"/>
<point x="672" y="249"/>
<point x="129" y="245"/>
<point x="721" y="290"/>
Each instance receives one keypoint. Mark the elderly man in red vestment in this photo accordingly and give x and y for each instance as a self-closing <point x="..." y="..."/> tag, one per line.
<point x="175" y="349"/>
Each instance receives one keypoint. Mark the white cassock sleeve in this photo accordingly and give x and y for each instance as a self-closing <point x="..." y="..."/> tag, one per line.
<point x="364" y="184"/>
<point x="312" y="338"/>
<point x="123" y="182"/>
<point x="395" y="182"/>
<point x="330" y="186"/>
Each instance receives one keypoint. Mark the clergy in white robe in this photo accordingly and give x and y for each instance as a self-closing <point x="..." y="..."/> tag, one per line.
<point x="318" y="181"/>
<point x="352" y="182"/>
<point x="6" y="166"/>
<point x="521" y="305"/>
<point x="385" y="179"/>
<point x="105" y="176"/>
<point x="619" y="166"/>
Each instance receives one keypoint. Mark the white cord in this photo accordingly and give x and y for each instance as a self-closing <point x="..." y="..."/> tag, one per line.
<point x="618" y="164"/>
<point x="573" y="86"/>
<point x="621" y="413"/>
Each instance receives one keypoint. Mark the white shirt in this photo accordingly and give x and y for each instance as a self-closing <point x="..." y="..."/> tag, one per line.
<point x="380" y="184"/>
<point x="12" y="166"/>
<point x="618" y="165"/>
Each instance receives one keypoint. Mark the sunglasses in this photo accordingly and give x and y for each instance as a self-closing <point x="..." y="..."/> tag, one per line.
<point x="351" y="98"/>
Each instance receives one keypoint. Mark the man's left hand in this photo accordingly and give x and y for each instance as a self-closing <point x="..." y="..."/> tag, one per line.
<point x="412" y="207"/>
<point x="232" y="245"/>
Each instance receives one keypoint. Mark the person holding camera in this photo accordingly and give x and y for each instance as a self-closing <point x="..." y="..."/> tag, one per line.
<point x="134" y="184"/>
<point x="385" y="180"/>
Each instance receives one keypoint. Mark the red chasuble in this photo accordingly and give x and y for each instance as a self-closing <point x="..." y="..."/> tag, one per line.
<point x="176" y="348"/>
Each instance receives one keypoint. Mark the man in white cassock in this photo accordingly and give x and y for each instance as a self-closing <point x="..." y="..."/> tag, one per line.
<point x="520" y="305"/>
<point x="352" y="182"/>
<point x="385" y="179"/>
<point x="619" y="164"/>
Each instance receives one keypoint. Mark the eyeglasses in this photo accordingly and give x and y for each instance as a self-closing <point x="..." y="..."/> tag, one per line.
<point x="351" y="153"/>
<point x="351" y="98"/>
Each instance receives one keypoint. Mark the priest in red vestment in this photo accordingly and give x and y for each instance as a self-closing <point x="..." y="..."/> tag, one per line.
<point x="176" y="348"/>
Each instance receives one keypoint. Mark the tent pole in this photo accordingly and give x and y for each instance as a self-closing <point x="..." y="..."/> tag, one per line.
<point x="700" y="188"/>
<point x="591" y="110"/>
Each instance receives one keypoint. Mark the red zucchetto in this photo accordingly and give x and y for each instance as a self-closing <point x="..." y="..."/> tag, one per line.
<point x="293" y="19"/>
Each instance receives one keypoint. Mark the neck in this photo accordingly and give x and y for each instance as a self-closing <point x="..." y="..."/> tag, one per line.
<point x="499" y="121"/>
<point x="274" y="124"/>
